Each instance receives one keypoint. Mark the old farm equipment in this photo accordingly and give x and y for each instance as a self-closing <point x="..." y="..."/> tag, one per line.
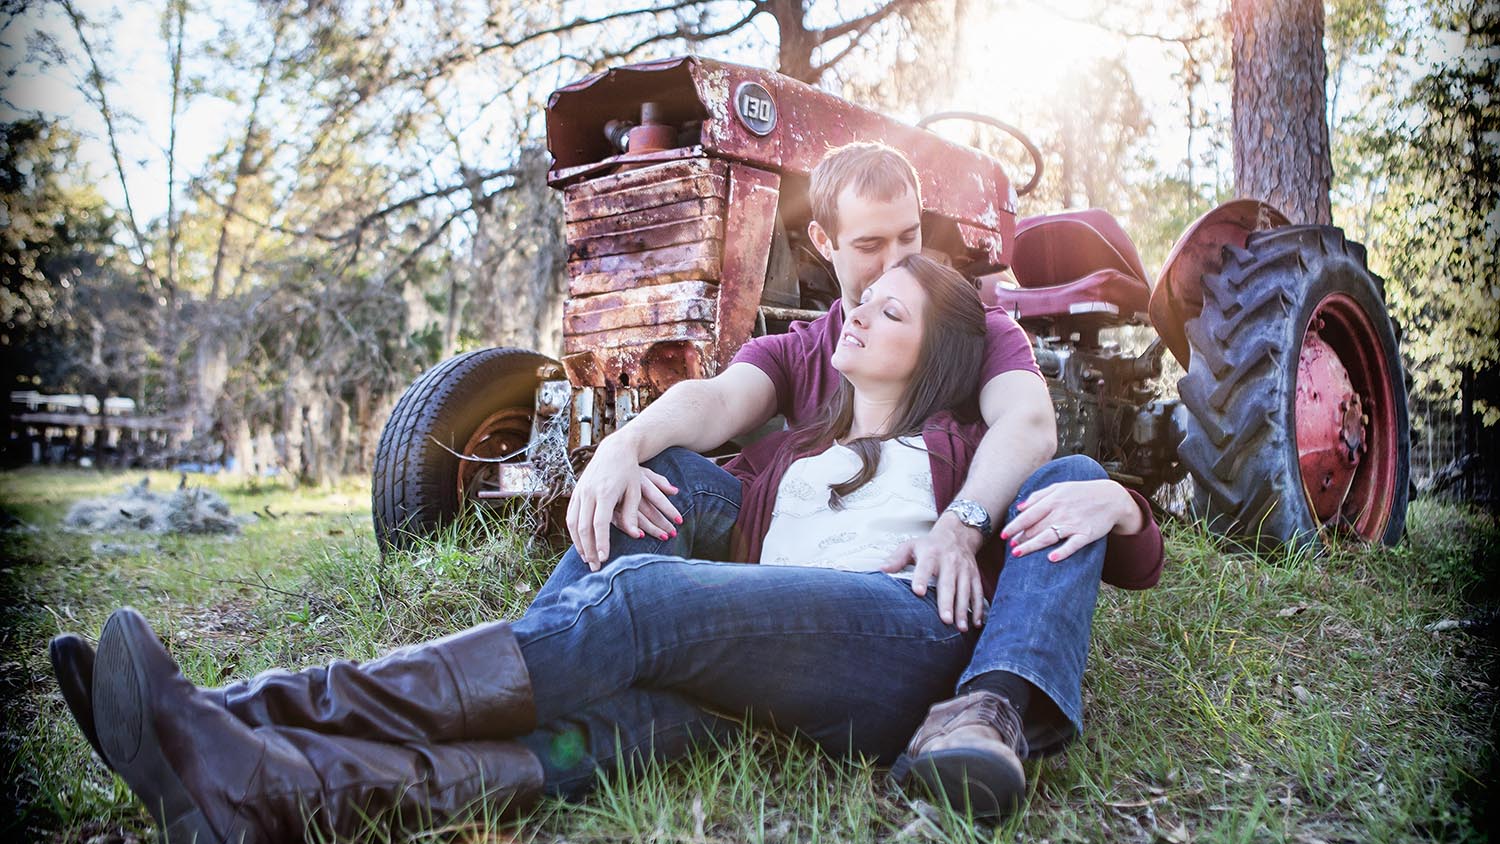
<point x="685" y="191"/>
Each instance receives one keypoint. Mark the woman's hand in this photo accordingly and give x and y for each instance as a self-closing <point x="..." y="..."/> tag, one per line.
<point x="1070" y="515"/>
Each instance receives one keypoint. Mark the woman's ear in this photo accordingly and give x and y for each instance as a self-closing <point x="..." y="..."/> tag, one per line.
<point x="821" y="241"/>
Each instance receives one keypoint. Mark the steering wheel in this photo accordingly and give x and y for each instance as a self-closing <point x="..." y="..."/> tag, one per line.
<point x="974" y="117"/>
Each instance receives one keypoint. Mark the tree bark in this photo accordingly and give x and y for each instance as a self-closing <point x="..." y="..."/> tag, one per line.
<point x="794" y="53"/>
<point x="1281" y="153"/>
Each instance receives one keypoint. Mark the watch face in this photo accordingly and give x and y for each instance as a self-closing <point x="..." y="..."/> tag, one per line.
<point x="971" y="514"/>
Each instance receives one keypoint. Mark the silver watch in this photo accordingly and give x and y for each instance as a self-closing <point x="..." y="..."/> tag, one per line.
<point x="973" y="514"/>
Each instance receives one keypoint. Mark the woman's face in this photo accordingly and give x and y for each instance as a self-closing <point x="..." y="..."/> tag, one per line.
<point x="883" y="335"/>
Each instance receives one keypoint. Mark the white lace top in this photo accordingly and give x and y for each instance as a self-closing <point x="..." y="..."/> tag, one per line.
<point x="896" y="505"/>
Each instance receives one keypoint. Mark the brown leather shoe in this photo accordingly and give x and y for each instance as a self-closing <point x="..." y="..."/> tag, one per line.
<point x="207" y="777"/>
<point x="73" y="666"/>
<point x="968" y="753"/>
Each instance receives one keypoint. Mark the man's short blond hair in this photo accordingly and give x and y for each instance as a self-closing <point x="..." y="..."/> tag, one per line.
<point x="876" y="172"/>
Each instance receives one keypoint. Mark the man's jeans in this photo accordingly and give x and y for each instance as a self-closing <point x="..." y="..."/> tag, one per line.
<point x="655" y="704"/>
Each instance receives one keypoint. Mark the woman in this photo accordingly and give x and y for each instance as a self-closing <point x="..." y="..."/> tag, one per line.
<point x="817" y="639"/>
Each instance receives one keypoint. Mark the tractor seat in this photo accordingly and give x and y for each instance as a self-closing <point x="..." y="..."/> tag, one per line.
<point x="1073" y="263"/>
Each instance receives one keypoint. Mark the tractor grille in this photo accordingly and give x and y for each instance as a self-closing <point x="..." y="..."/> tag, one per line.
<point x="645" y="248"/>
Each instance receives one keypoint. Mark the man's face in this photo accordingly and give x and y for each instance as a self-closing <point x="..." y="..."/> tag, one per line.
<point x="873" y="236"/>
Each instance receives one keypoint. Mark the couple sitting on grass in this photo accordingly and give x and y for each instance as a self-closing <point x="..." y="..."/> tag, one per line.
<point x="881" y="588"/>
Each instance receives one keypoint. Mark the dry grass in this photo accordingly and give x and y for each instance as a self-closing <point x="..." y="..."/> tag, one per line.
<point x="1247" y="698"/>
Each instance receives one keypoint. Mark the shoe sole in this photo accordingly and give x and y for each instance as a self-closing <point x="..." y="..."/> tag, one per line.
<point x="128" y="735"/>
<point x="975" y="783"/>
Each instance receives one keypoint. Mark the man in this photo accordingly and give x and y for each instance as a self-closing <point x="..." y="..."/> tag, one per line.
<point x="866" y="204"/>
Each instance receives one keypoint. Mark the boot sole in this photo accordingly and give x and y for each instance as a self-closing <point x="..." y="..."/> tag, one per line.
<point x="967" y="781"/>
<point x="64" y="652"/>
<point x="128" y="735"/>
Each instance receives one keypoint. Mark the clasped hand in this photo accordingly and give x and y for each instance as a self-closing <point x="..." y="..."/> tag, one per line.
<point x="615" y="489"/>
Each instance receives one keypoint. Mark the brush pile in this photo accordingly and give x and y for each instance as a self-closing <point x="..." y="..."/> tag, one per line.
<point x="185" y="510"/>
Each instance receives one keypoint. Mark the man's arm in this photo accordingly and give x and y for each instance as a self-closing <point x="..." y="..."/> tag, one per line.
<point x="1022" y="436"/>
<point x="698" y="415"/>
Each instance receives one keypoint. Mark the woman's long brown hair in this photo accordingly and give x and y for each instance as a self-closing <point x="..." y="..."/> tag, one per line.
<point x="949" y="361"/>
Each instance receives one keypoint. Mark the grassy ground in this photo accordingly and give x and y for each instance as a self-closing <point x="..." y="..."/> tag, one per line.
<point x="1246" y="698"/>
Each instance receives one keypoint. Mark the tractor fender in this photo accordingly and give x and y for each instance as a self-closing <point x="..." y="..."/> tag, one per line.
<point x="1178" y="294"/>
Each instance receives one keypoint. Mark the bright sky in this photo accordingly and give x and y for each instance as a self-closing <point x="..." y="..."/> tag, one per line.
<point x="1015" y="52"/>
<point x="140" y="96"/>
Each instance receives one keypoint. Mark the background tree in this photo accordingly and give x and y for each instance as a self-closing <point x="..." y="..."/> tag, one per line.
<point x="1437" y="213"/>
<point x="378" y="197"/>
<point x="1281" y="152"/>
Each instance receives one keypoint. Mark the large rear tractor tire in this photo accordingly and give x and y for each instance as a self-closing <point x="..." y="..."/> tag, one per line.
<point x="1297" y="428"/>
<point x="478" y="403"/>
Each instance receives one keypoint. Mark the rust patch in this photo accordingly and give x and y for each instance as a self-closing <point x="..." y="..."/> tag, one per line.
<point x="711" y="206"/>
<point x="657" y="236"/>
<point x="624" y="201"/>
<point x="640" y="335"/>
<point x="664" y="364"/>
<point x="698" y="269"/>
<point x="596" y="319"/>
<point x="655" y="366"/>
<point x="753" y="195"/>
<point x="644" y="187"/>
<point x="646" y="295"/>
<point x="640" y="267"/>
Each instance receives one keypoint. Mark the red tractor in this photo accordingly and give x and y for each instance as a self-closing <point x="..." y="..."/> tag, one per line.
<point x="685" y="190"/>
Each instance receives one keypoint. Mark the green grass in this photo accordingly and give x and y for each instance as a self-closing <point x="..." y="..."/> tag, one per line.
<point x="1272" y="697"/>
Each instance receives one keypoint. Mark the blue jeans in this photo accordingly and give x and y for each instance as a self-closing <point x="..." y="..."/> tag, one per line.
<point x="1040" y="619"/>
<point x="1038" y="628"/>
<point x="851" y="660"/>
<point x="635" y="725"/>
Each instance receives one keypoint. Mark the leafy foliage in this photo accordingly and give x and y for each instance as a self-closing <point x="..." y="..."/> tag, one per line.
<point x="69" y="316"/>
<point x="1421" y="164"/>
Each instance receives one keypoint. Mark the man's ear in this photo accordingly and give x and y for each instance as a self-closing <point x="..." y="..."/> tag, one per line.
<point x="821" y="241"/>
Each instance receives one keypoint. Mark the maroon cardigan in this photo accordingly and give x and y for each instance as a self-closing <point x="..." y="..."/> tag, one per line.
<point x="1130" y="562"/>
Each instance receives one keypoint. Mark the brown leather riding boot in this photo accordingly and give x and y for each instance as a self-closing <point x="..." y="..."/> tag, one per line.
<point x="368" y="790"/>
<point x="205" y="776"/>
<point x="470" y="685"/>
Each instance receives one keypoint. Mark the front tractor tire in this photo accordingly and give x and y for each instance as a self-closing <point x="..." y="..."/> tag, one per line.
<point x="1298" y="427"/>
<point x="479" y="403"/>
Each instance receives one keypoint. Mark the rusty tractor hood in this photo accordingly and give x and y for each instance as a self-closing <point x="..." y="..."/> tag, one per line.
<point x="958" y="182"/>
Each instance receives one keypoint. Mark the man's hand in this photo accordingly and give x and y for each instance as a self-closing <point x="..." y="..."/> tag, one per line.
<point x="615" y="488"/>
<point x="947" y="553"/>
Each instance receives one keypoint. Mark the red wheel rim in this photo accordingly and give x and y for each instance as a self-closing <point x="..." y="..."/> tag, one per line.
<point x="1345" y="413"/>
<point x="502" y="434"/>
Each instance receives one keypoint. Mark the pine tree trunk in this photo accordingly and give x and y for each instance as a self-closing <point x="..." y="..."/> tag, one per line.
<point x="1281" y="152"/>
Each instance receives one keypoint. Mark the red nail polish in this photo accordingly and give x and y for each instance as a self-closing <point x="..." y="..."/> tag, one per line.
<point x="678" y="520"/>
<point x="1004" y="535"/>
<point x="674" y="534"/>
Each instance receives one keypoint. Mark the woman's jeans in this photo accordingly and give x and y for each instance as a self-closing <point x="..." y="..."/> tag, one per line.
<point x="656" y="653"/>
